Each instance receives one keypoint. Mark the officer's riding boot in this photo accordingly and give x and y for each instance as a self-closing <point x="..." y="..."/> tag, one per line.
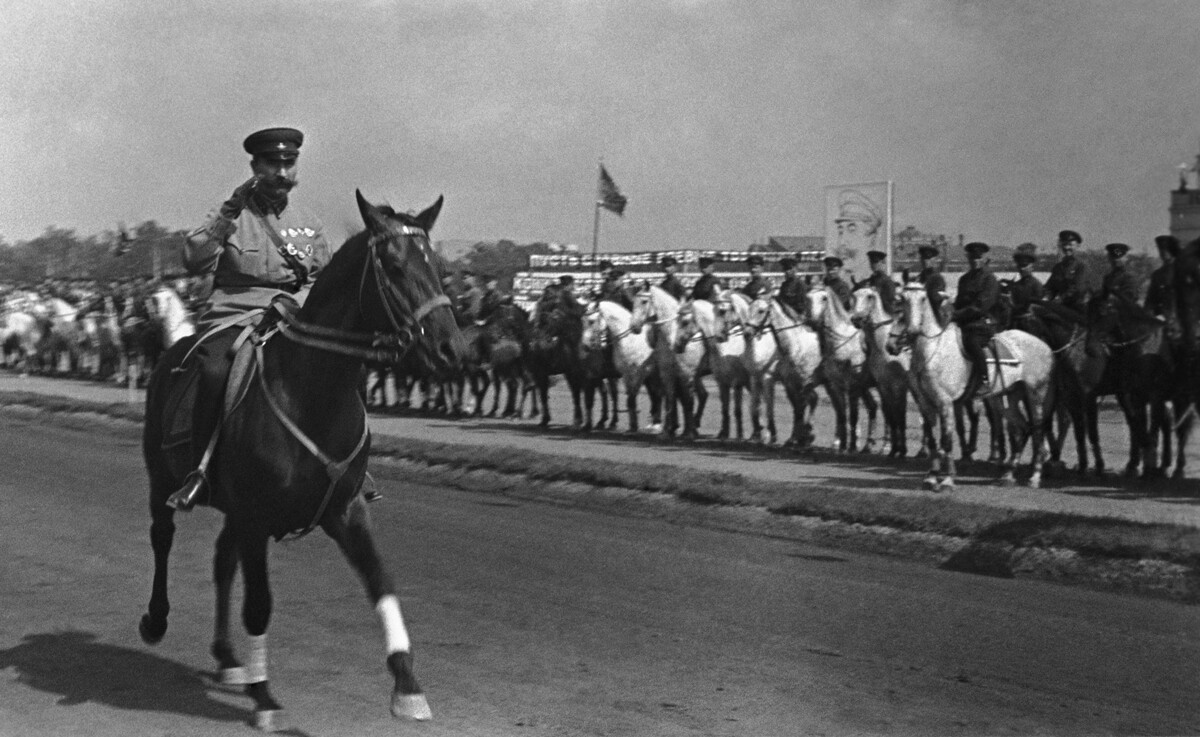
<point x="194" y="485"/>
<point x="978" y="375"/>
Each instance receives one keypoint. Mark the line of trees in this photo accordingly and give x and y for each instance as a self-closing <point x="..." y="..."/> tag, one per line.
<point x="61" y="253"/>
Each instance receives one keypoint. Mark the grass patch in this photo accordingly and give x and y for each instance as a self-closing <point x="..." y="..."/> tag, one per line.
<point x="937" y="514"/>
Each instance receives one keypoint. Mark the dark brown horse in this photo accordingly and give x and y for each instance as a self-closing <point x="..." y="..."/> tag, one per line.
<point x="292" y="451"/>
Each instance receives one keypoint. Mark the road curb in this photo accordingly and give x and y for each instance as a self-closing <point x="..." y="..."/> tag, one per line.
<point x="1118" y="567"/>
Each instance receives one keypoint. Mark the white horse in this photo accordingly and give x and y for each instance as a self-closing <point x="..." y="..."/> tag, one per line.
<point x="172" y="315"/>
<point x="678" y="366"/>
<point x="761" y="359"/>
<point x="844" y="365"/>
<point x="799" y="360"/>
<point x="1022" y="376"/>
<point x="633" y="355"/>
<point x="892" y="373"/>
<point x="725" y="348"/>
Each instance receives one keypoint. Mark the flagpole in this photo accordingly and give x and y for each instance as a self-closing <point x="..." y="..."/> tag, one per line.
<point x="596" y="228"/>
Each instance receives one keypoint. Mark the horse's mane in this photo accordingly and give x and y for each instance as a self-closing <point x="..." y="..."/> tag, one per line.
<point x="787" y="310"/>
<point x="344" y="264"/>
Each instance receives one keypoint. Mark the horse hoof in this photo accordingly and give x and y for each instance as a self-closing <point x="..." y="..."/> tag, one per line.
<point x="1035" y="481"/>
<point x="1008" y="481"/>
<point x="151" y="633"/>
<point x="268" y="720"/>
<point x="411" y="706"/>
<point x="947" y="484"/>
<point x="929" y="484"/>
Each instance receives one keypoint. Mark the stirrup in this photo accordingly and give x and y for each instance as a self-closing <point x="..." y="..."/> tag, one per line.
<point x="184" y="499"/>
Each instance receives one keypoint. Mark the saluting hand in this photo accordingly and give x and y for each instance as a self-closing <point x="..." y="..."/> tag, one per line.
<point x="237" y="201"/>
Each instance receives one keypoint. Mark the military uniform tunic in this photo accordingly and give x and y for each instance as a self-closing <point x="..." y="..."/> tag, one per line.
<point x="672" y="286"/>
<point x="705" y="287"/>
<point x="1119" y="282"/>
<point x="1160" y="294"/>
<point x="793" y="292"/>
<point x="886" y="288"/>
<point x="1024" y="292"/>
<point x="977" y="298"/>
<point x="1067" y="284"/>
<point x="248" y="270"/>
<point x="755" y="287"/>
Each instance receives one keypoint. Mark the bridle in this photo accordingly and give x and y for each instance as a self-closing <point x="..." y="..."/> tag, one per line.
<point x="405" y="324"/>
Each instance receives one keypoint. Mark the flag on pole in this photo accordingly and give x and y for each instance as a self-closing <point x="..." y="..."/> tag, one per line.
<point x="610" y="197"/>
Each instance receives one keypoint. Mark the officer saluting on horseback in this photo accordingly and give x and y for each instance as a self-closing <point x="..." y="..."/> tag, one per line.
<point x="974" y="305"/>
<point x="258" y="245"/>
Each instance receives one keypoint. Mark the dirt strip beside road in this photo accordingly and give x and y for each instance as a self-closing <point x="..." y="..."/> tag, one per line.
<point x="1137" y="538"/>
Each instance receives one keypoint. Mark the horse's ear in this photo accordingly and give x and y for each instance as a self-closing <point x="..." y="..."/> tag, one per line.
<point x="430" y="215"/>
<point x="370" y="214"/>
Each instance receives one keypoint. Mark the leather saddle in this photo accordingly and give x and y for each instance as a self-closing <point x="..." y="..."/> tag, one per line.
<point x="184" y="391"/>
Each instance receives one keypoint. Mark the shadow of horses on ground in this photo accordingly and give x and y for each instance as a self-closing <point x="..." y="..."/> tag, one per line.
<point x="77" y="668"/>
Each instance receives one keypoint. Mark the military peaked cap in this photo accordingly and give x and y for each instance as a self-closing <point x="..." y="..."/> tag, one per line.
<point x="976" y="247"/>
<point x="281" y="142"/>
<point x="754" y="260"/>
<point x="876" y="256"/>
<point x="833" y="261"/>
<point x="605" y="265"/>
<point x="668" y="261"/>
<point x="566" y="279"/>
<point x="1117" y="249"/>
<point x="1069" y="236"/>
<point x="787" y="262"/>
<point x="927" y="251"/>
<point x="705" y="262"/>
<point x="1168" y="243"/>
<point x="1026" y="252"/>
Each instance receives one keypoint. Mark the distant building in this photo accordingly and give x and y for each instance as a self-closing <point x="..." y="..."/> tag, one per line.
<point x="1185" y="204"/>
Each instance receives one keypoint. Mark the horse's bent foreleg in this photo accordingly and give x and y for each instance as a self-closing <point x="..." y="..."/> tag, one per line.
<point x="353" y="535"/>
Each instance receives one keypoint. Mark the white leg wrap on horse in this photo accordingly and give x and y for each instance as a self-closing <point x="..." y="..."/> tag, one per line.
<point x="256" y="664"/>
<point x="394" y="633"/>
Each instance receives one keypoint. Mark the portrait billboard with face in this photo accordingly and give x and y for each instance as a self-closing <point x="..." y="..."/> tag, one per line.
<point x="858" y="219"/>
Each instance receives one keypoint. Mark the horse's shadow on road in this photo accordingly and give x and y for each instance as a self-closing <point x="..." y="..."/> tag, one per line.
<point x="79" y="669"/>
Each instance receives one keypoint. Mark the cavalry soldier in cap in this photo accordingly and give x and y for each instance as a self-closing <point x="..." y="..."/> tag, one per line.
<point x="566" y="297"/>
<point x="613" y="287"/>
<point x="706" y="287"/>
<point x="931" y="276"/>
<point x="1068" y="282"/>
<point x="793" y="292"/>
<point x="1118" y="281"/>
<point x="834" y="282"/>
<point x="1160" y="294"/>
<point x="259" y="244"/>
<point x="758" y="283"/>
<point x="974" y="311"/>
<point x="882" y="281"/>
<point x="1026" y="290"/>
<point x="670" y="283"/>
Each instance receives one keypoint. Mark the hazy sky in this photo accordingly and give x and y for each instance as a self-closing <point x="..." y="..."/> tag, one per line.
<point x="721" y="121"/>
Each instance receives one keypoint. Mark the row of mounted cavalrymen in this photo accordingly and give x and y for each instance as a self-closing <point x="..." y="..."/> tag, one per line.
<point x="982" y="304"/>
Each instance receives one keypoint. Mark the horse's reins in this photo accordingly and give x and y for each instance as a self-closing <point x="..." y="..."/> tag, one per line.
<point x="367" y="346"/>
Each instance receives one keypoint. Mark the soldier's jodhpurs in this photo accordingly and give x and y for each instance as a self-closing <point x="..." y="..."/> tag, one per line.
<point x="976" y="336"/>
<point x="214" y="358"/>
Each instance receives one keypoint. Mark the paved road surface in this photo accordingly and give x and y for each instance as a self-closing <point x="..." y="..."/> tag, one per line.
<point x="537" y="620"/>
